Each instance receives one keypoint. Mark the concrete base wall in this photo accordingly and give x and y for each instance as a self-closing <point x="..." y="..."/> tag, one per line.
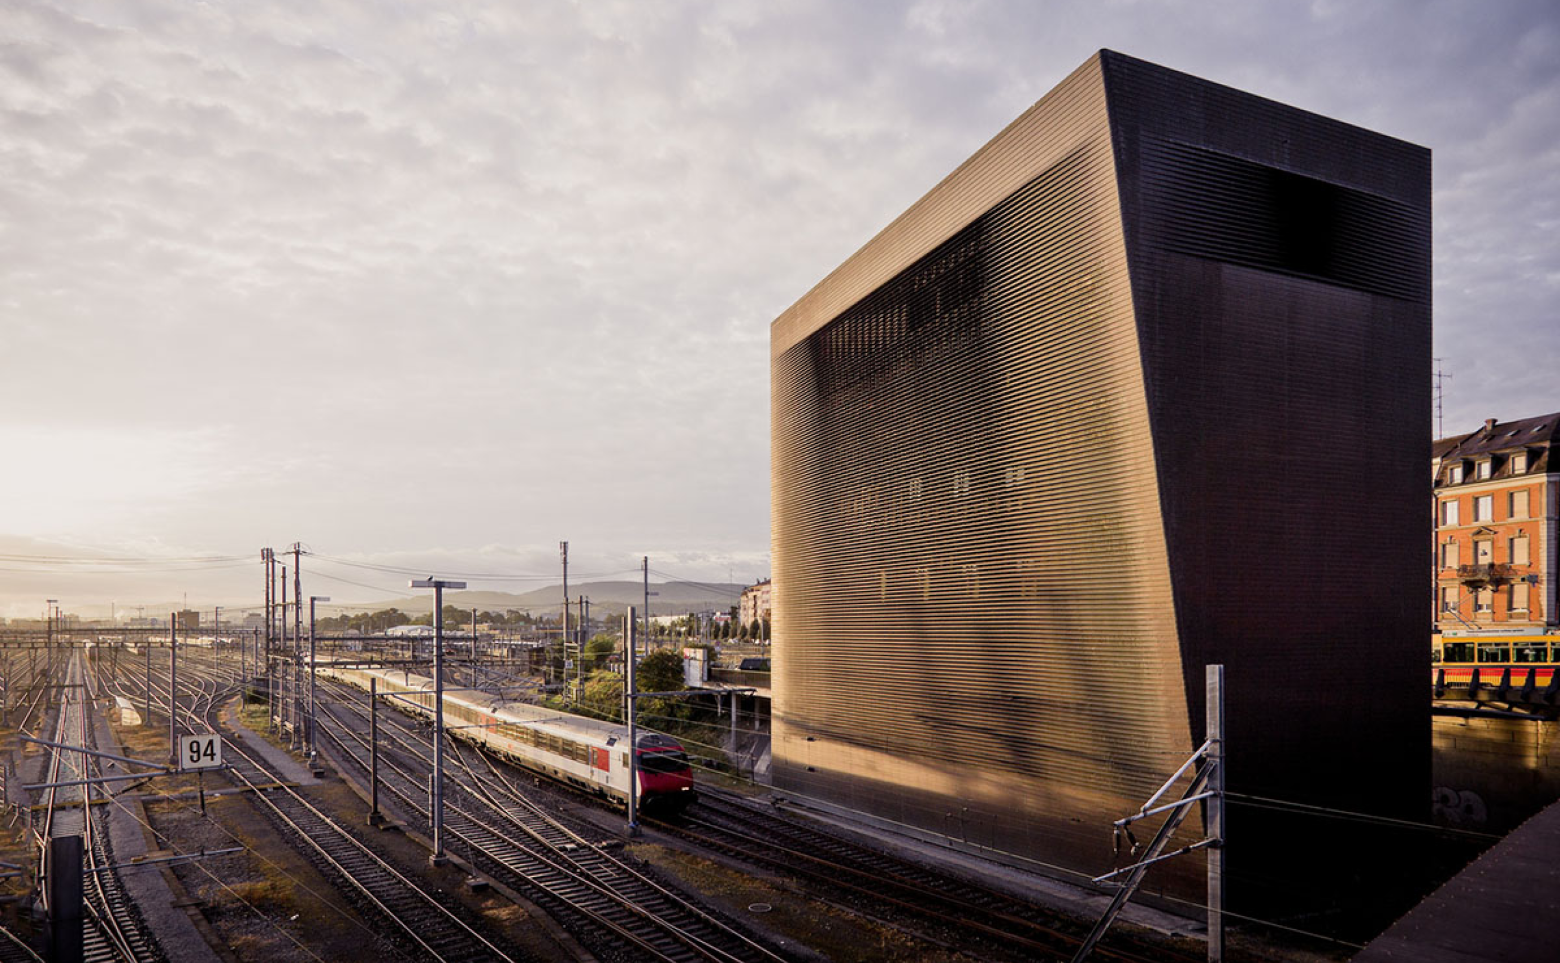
<point x="1490" y="775"/>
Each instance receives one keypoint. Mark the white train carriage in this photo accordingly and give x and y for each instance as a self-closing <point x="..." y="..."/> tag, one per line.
<point x="584" y="752"/>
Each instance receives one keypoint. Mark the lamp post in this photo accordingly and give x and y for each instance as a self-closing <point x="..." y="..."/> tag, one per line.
<point x="437" y="803"/>
<point x="313" y="748"/>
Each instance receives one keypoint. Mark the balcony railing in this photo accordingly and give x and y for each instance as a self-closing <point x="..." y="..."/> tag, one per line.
<point x="1481" y="575"/>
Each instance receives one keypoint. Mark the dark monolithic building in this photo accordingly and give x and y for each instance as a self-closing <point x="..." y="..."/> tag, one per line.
<point x="1141" y="386"/>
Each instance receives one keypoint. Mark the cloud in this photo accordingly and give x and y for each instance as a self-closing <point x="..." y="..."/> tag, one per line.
<point x="403" y="276"/>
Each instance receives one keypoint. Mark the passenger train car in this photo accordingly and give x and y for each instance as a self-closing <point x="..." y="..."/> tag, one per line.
<point x="583" y="752"/>
<point x="1454" y="659"/>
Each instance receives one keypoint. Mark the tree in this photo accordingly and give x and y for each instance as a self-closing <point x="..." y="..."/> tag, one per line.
<point x="597" y="651"/>
<point x="756" y="630"/>
<point x="742" y="633"/>
<point x="602" y="695"/>
<point x="660" y="671"/>
<point x="766" y="630"/>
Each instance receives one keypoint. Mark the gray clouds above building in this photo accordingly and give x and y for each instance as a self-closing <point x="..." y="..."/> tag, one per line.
<point x="292" y="269"/>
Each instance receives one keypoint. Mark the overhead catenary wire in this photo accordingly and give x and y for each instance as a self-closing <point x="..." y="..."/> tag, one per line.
<point x="473" y="576"/>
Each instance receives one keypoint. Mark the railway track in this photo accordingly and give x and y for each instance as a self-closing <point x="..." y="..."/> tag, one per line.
<point x="604" y="902"/>
<point x="422" y="926"/>
<point x="34" y="708"/>
<point x="112" y="929"/>
<point x="517" y="844"/>
<point x="755" y="834"/>
<point x="932" y="906"/>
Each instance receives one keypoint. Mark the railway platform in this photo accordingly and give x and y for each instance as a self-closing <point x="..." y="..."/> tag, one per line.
<point x="1504" y="906"/>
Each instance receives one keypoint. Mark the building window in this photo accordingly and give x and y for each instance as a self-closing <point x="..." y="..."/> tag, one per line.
<point x="1484" y="508"/>
<point x="1449" y="598"/>
<point x="1483" y="469"/>
<point x="1483" y="552"/>
<point x="1519" y="550"/>
<point x="1519" y="596"/>
<point x="1449" y="554"/>
<point x="1519" y="504"/>
<point x="970" y="576"/>
<point x="1519" y="463"/>
<point x="1449" y="512"/>
<point x="1482" y="601"/>
<point x="1455" y="476"/>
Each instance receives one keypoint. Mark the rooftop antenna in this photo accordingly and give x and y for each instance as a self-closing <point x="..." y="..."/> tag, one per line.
<point x="1440" y="394"/>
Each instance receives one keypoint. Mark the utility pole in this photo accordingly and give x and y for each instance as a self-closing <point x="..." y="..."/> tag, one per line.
<point x="313" y="748"/>
<point x="281" y="681"/>
<point x="633" y="724"/>
<point x="48" y="656"/>
<point x="1440" y="397"/>
<point x="265" y="562"/>
<point x="473" y="645"/>
<point x="563" y="549"/>
<point x="1207" y="787"/>
<point x="437" y="803"/>
<point x="374" y="815"/>
<point x="297" y="653"/>
<point x="297" y="550"/>
<point x="645" y="564"/>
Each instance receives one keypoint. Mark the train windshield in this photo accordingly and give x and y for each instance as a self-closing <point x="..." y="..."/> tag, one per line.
<point x="670" y="760"/>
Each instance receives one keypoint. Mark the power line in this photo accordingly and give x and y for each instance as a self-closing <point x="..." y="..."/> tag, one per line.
<point x="474" y="576"/>
<point x="725" y="592"/>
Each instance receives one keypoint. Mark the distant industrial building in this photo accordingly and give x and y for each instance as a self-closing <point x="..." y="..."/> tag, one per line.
<point x="1497" y="504"/>
<point x="1080" y="422"/>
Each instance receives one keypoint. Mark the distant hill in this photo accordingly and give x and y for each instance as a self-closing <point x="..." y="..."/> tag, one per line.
<point x="606" y="598"/>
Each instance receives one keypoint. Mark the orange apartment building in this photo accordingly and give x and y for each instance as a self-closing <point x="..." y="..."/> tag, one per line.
<point x="1497" y="499"/>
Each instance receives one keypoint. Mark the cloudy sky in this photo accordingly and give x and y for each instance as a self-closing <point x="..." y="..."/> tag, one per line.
<point x="436" y="285"/>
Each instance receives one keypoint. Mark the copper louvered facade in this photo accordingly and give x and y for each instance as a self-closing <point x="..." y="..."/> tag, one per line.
<point x="1066" y="431"/>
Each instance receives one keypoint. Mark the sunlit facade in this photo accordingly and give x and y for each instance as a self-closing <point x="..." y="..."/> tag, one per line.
<point x="1075" y="425"/>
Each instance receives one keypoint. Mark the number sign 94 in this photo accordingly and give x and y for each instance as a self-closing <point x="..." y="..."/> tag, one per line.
<point x="202" y="751"/>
